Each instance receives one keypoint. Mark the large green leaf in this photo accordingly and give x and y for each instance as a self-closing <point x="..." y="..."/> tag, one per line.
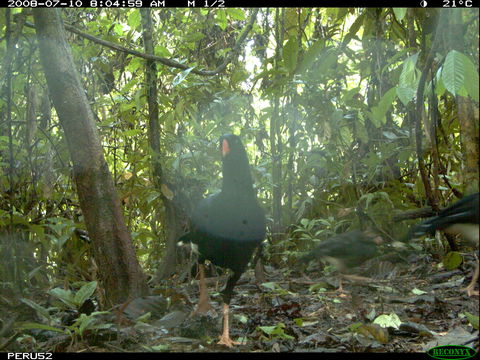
<point x="361" y="130"/>
<point x="387" y="99"/>
<point x="38" y="308"/>
<point x="453" y="74"/>
<point x="34" y="325"/>
<point x="292" y="21"/>
<point x="354" y="28"/>
<point x="235" y="13"/>
<point x="328" y="59"/>
<point x="400" y="13"/>
<point x="290" y="54"/>
<point x="471" y="78"/>
<point x="134" y="19"/>
<point x="221" y="18"/>
<point x="405" y="94"/>
<point x="378" y="112"/>
<point x="407" y="85"/>
<point x="64" y="295"/>
<point x="85" y="292"/>
<point x="311" y="55"/>
<point x="346" y="135"/>
<point x="440" y="87"/>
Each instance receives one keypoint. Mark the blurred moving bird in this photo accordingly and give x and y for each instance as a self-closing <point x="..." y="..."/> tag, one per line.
<point x="460" y="218"/>
<point x="227" y="227"/>
<point x="346" y="251"/>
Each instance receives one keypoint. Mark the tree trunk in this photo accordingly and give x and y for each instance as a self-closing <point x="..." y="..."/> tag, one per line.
<point x="468" y="119"/>
<point x="467" y="114"/>
<point x="170" y="216"/>
<point x="119" y="271"/>
<point x="276" y="144"/>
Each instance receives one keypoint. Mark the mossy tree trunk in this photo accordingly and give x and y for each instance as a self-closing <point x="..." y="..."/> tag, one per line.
<point x="114" y="254"/>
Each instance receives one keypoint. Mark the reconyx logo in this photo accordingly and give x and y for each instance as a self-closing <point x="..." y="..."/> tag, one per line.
<point x="456" y="352"/>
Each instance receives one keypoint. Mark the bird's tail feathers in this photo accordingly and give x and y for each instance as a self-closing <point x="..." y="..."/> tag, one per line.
<point x="420" y="230"/>
<point x="306" y="258"/>
<point x="187" y="242"/>
<point x="183" y="240"/>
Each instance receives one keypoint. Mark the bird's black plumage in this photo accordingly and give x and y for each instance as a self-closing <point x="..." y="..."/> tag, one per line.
<point x="228" y="226"/>
<point x="345" y="251"/>
<point x="461" y="217"/>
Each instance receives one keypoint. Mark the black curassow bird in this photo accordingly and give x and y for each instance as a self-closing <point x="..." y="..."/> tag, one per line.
<point x="460" y="218"/>
<point x="346" y="251"/>
<point x="227" y="227"/>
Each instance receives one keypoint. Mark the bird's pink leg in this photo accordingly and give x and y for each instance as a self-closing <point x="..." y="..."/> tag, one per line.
<point x="340" y="286"/>
<point x="470" y="288"/>
<point x="225" y="338"/>
<point x="203" y="299"/>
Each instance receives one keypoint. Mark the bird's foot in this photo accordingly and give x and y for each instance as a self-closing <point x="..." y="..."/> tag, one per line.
<point x="225" y="340"/>
<point x="470" y="290"/>
<point x="342" y="292"/>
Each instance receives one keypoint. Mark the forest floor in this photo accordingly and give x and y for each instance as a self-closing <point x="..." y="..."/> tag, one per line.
<point x="402" y="308"/>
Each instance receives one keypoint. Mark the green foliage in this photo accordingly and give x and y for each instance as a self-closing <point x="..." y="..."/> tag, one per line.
<point x="379" y="112"/>
<point x="400" y="13"/>
<point x="157" y="348"/>
<point x="34" y="325"/>
<point x="75" y="301"/>
<point x="236" y="14"/>
<point x="460" y="75"/>
<point x="408" y="81"/>
<point x="69" y="301"/>
<point x="82" y="324"/>
<point x="275" y="332"/>
<point x="452" y="260"/>
<point x="90" y="322"/>
<point x="181" y="76"/>
<point x="315" y="229"/>
<point x="41" y="311"/>
<point x="311" y="55"/>
<point x="388" y="320"/>
<point x="61" y="230"/>
<point x="473" y="319"/>
<point x="276" y="289"/>
<point x="290" y="54"/>
<point x="317" y="288"/>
